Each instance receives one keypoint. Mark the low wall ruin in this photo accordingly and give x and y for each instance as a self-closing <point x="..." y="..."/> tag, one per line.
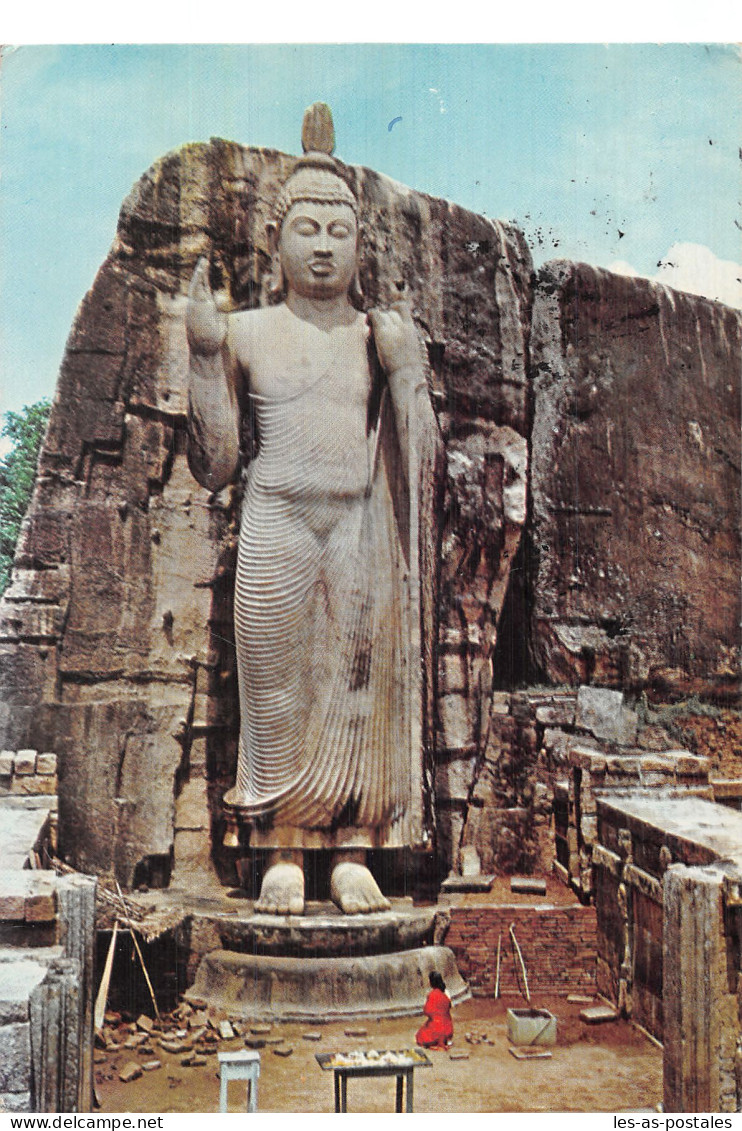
<point x="668" y="879"/>
<point x="47" y="928"/>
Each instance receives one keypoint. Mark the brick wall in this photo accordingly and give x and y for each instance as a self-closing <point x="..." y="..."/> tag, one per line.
<point x="558" y="945"/>
<point x="27" y="773"/>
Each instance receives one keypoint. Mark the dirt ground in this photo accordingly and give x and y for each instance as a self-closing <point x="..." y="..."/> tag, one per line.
<point x="608" y="1067"/>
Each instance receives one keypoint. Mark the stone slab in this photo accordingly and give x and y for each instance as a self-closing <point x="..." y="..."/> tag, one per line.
<point x="46" y="764"/>
<point x="528" y="885"/>
<point x="25" y="762"/>
<point x="526" y="1053"/>
<point x="597" y="1014"/>
<point x="556" y="714"/>
<point x="22" y="820"/>
<point x="714" y="830"/>
<point x="17" y="980"/>
<point x="467" y="883"/>
<point x="130" y="1071"/>
<point x="604" y="713"/>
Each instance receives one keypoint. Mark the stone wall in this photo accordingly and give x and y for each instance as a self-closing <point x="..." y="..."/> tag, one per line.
<point x="558" y="945"/>
<point x="527" y="802"/>
<point x="46" y="957"/>
<point x="601" y="749"/>
<point x="668" y="886"/>
<point x="496" y="809"/>
<point x="116" y="640"/>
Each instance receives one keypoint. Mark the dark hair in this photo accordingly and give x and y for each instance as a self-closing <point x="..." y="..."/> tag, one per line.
<point x="436" y="981"/>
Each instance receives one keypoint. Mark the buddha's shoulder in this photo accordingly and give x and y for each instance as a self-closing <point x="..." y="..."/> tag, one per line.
<point x="259" y="320"/>
<point x="248" y="328"/>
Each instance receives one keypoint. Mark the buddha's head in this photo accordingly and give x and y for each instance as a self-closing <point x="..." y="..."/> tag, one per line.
<point x="313" y="237"/>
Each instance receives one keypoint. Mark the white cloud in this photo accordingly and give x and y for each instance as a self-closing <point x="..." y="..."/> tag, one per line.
<point x="621" y="267"/>
<point x="693" y="267"/>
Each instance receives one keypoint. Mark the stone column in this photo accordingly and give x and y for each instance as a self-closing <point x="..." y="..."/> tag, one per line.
<point x="76" y="902"/>
<point x="699" y="994"/>
<point x="56" y="1038"/>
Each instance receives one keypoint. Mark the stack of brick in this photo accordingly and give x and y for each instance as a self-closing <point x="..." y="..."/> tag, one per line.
<point x="558" y="945"/>
<point x="28" y="909"/>
<point x="28" y="774"/>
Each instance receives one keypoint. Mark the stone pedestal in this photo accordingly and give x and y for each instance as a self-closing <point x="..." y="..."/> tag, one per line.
<point x="268" y="987"/>
<point x="326" y="966"/>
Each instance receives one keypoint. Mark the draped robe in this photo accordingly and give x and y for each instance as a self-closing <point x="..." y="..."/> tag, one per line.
<point x="329" y="631"/>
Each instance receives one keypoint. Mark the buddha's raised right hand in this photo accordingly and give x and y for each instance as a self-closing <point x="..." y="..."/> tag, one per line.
<point x="206" y="325"/>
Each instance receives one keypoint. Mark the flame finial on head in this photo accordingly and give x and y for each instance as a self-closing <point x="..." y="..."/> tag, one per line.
<point x="318" y="130"/>
<point x="316" y="176"/>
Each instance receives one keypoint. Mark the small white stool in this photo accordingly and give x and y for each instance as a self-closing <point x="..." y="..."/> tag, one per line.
<point x="244" y="1064"/>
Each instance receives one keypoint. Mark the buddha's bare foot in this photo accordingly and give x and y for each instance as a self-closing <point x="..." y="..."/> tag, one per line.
<point x="282" y="890"/>
<point x="355" y="890"/>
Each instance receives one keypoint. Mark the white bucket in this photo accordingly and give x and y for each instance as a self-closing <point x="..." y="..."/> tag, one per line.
<point x="531" y="1027"/>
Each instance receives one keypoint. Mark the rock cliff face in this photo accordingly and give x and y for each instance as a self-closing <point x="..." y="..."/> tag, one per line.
<point x="116" y="644"/>
<point x="634" y="483"/>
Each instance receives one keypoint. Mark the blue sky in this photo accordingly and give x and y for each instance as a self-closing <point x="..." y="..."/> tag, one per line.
<point x="600" y="153"/>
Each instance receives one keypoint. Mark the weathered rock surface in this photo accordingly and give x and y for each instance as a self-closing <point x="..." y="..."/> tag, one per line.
<point x="116" y="640"/>
<point x="635" y="484"/>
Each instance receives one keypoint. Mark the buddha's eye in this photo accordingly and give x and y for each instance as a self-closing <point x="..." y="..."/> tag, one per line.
<point x="340" y="230"/>
<point x="305" y="227"/>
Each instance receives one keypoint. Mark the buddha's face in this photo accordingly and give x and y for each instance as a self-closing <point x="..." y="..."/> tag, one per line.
<point x="318" y="247"/>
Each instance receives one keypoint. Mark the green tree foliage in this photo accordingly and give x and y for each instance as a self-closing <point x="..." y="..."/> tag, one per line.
<point x="17" y="474"/>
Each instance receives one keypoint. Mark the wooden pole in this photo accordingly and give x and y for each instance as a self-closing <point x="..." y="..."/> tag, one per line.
<point x="497" y="976"/>
<point x="138" y="950"/>
<point x="102" y="998"/>
<point x="522" y="963"/>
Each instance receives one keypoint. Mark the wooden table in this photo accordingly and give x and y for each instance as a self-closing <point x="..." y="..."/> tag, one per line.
<point x="369" y="1067"/>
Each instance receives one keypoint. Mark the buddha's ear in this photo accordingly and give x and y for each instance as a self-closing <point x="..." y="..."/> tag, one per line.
<point x="271" y="230"/>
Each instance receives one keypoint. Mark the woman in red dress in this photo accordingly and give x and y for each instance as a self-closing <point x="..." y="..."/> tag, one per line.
<point x="437" y="1032"/>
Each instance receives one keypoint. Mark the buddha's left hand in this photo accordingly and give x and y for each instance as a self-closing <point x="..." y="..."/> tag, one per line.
<point x="396" y="338"/>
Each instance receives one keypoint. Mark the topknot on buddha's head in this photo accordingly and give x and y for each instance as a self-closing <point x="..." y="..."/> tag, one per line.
<point x="316" y="176"/>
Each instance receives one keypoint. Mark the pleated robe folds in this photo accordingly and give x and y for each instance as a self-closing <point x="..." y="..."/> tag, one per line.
<point x="334" y="630"/>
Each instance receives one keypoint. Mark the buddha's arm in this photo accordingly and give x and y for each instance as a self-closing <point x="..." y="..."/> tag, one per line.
<point x="213" y="411"/>
<point x="401" y="355"/>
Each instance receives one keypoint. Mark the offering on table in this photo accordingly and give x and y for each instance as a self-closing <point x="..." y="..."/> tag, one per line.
<point x="369" y="1058"/>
